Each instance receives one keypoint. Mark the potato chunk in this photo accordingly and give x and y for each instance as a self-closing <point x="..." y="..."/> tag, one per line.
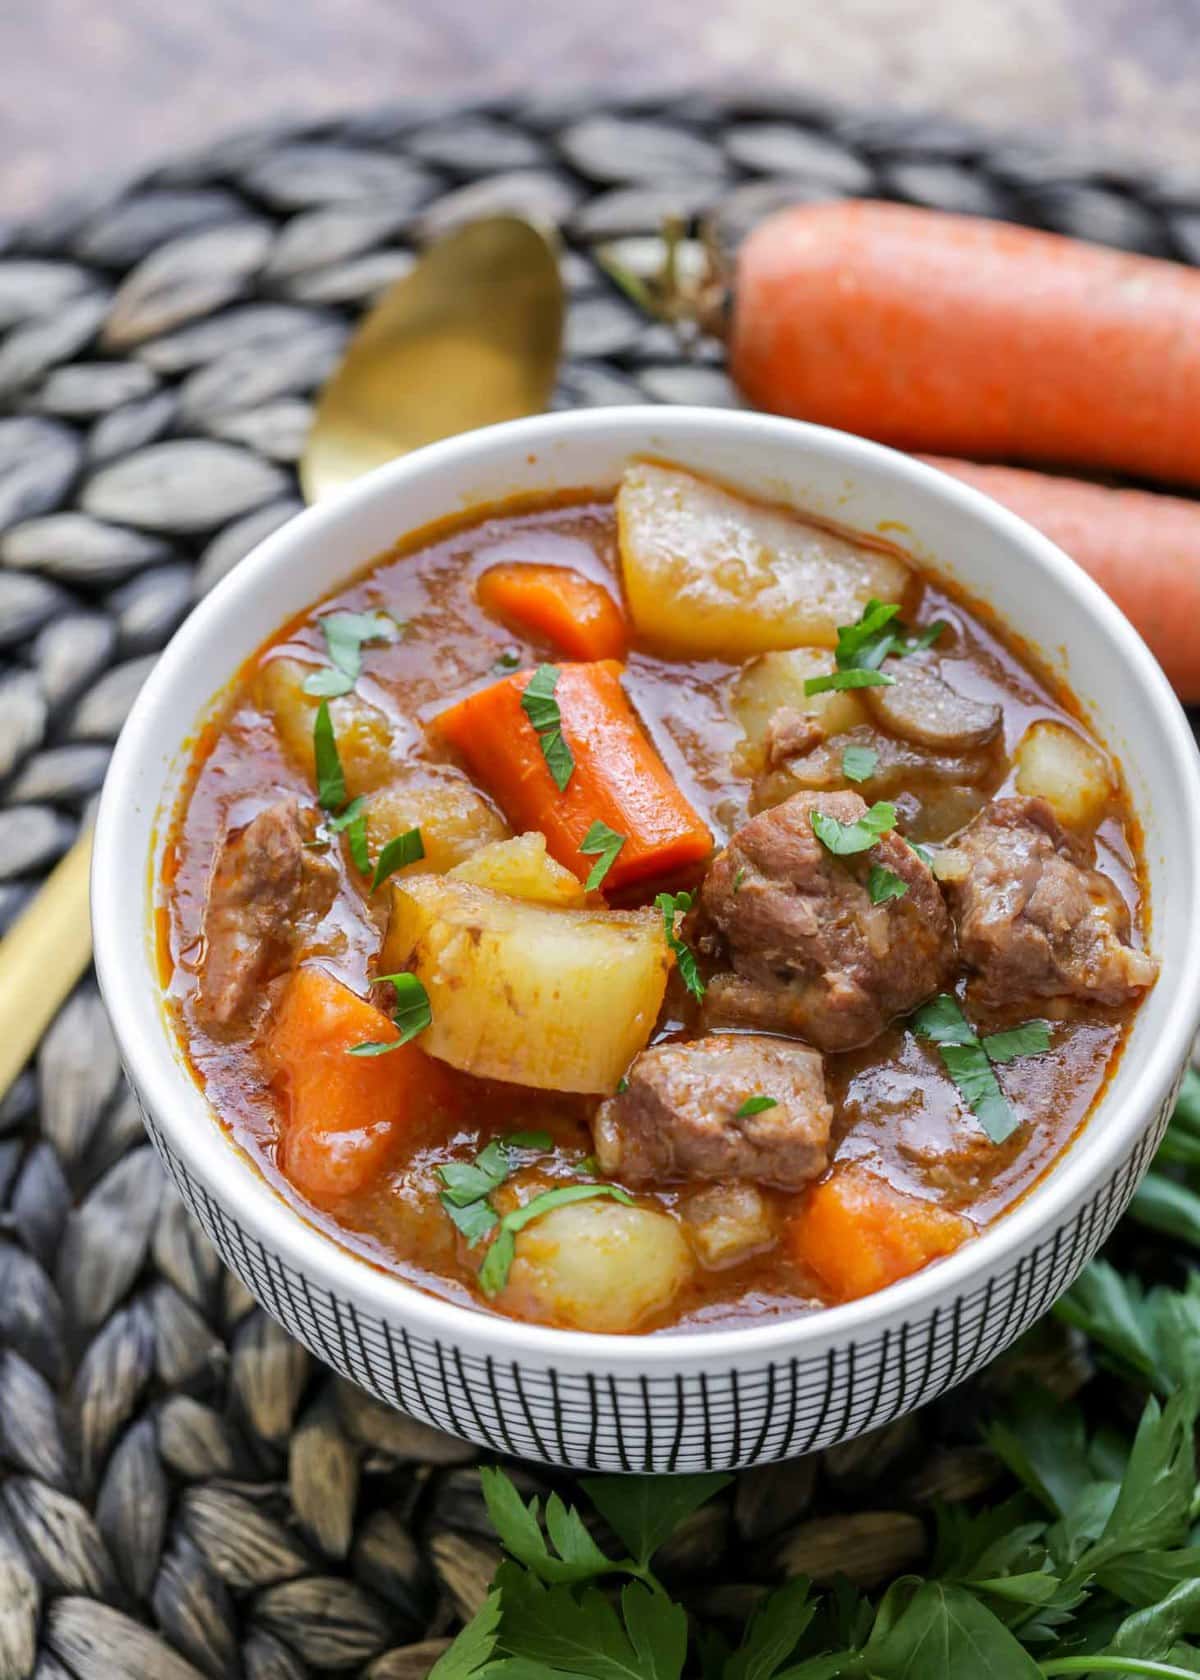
<point x="597" y="1266"/>
<point x="561" y="1000"/>
<point x="522" y="868"/>
<point x="712" y="574"/>
<point x="454" y="818"/>
<point x="1055" y="764"/>
<point x="775" y="681"/>
<point x="364" y="736"/>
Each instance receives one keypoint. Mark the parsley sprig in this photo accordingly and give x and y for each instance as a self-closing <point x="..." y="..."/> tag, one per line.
<point x="848" y="839"/>
<point x="497" y="1262"/>
<point x="969" y="1059"/>
<point x="859" y="763"/>
<point x="468" y="1184"/>
<point x="344" y="816"/>
<point x="346" y="634"/>
<point x="602" y="843"/>
<point x="411" y="1015"/>
<point x="541" y="708"/>
<point x="673" y="905"/>
<point x="863" y="646"/>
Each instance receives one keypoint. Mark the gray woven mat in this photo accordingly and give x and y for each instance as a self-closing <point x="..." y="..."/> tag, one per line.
<point x="182" y="1491"/>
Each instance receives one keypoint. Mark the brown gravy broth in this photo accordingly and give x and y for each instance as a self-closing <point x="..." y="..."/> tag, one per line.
<point x="895" y="1108"/>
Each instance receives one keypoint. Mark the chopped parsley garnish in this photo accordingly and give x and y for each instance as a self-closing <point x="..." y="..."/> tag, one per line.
<point x="755" y="1105"/>
<point x="497" y="1262"/>
<point x="739" y="875"/>
<point x="509" y="660"/>
<point x="541" y="708"/>
<point x="672" y="905"/>
<point x="622" y="1086"/>
<point x="400" y="851"/>
<point x="411" y="1015"/>
<point x="925" y="853"/>
<point x="602" y="843"/>
<point x="863" y="646"/>
<point x="468" y="1184"/>
<point x="968" y="1059"/>
<point x="350" y="818"/>
<point x="846" y="839"/>
<point x="346" y="633"/>
<point x="859" y="763"/>
<point x="884" y="884"/>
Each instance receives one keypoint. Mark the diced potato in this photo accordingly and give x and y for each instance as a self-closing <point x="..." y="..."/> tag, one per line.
<point x="598" y="1266"/>
<point x="727" y="1223"/>
<point x="454" y="818"/>
<point x="712" y="574"/>
<point x="522" y="868"/>
<point x="561" y="1000"/>
<point x="365" y="738"/>
<point x="1055" y="764"/>
<point x="778" y="679"/>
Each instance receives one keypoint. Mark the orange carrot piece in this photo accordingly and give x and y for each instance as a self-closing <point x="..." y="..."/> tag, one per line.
<point x="554" y="604"/>
<point x="1143" y="549"/>
<point x="857" y="1234"/>
<point x="343" y="1114"/>
<point x="970" y="337"/>
<point x="618" y="777"/>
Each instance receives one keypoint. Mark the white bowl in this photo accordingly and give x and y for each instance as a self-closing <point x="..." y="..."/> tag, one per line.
<point x="686" y="1400"/>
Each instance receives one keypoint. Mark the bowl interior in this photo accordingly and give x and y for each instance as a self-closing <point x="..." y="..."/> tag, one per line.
<point x="1031" y="586"/>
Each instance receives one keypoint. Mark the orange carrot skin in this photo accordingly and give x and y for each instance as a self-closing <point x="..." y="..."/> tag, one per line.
<point x="1143" y="549"/>
<point x="343" y="1115"/>
<point x="857" y="1234"/>
<point x="618" y="778"/>
<point x="574" y="614"/>
<point x="968" y="337"/>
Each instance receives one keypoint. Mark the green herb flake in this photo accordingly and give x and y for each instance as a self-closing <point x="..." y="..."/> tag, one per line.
<point x="847" y="839"/>
<point x="603" y="843"/>
<point x="863" y="646"/>
<point x="1031" y="1038"/>
<point x="411" y="1015"/>
<point x="493" y="1274"/>
<point x="966" y="1061"/>
<point x="837" y="681"/>
<point x="346" y="633"/>
<point x="509" y="661"/>
<point x="673" y="905"/>
<point x="925" y="853"/>
<point x="331" y="783"/>
<point x="859" y="763"/>
<point x="400" y="851"/>
<point x="884" y="885"/>
<point x="622" y="1086"/>
<point x="755" y="1105"/>
<point x="739" y="875"/>
<point x="353" y="823"/>
<point x="466" y="1185"/>
<point x="541" y="708"/>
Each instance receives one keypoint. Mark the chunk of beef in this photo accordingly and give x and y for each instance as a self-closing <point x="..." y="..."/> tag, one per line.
<point x="726" y="1223"/>
<point x="1034" y="921"/>
<point x="922" y="707"/>
<point x="809" y="952"/>
<point x="790" y="734"/>
<point x="268" y="885"/>
<point x="678" y="1116"/>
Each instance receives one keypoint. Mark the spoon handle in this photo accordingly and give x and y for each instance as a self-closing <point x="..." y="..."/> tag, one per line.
<point x="42" y="956"/>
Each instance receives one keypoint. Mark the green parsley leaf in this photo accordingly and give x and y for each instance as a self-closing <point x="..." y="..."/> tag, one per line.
<point x="493" y="1274"/>
<point x="755" y="1105"/>
<point x="847" y="839"/>
<point x="412" y="1015"/>
<point x="836" y="681"/>
<point x="579" y="1558"/>
<point x="672" y="905"/>
<point x="353" y="822"/>
<point x="606" y="842"/>
<point x="774" y="1631"/>
<point x="644" y="1511"/>
<point x="865" y="644"/>
<point x="920" y="1618"/>
<point x="467" y="1184"/>
<point x="541" y="708"/>
<point x="474" y="1646"/>
<point x="884" y="884"/>
<point x="345" y="634"/>
<point x="739" y="875"/>
<point x="331" y="783"/>
<point x="400" y="851"/>
<point x="509" y="660"/>
<point x="859" y="763"/>
<point x="925" y="638"/>
<point x="925" y="853"/>
<point x="1031" y="1038"/>
<point x="965" y="1060"/>
<point x="474" y="1219"/>
<point x="622" y="1085"/>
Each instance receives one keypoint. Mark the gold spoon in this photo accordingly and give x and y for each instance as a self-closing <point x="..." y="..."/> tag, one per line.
<point x="470" y="337"/>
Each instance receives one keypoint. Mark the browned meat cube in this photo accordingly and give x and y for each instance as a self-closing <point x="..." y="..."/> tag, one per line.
<point x="731" y="1105"/>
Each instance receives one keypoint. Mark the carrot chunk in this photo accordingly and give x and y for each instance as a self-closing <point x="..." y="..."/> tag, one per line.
<point x="857" y="1234"/>
<point x="618" y="779"/>
<point x="555" y="604"/>
<point x="343" y="1115"/>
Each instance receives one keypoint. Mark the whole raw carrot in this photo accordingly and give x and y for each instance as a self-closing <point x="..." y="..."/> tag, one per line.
<point x="970" y="337"/>
<point x="616" y="777"/>
<point x="1142" y="549"/>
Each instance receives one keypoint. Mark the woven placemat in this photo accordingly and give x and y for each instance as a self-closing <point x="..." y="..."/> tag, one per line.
<point x="183" y="1491"/>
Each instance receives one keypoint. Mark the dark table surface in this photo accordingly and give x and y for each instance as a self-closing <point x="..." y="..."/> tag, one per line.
<point x="90" y="88"/>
